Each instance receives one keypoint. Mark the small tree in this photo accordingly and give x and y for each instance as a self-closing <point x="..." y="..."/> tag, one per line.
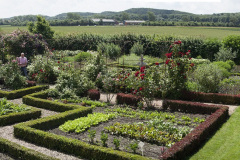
<point x="41" y="27"/>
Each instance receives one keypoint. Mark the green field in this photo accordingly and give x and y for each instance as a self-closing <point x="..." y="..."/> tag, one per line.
<point x="200" y="32"/>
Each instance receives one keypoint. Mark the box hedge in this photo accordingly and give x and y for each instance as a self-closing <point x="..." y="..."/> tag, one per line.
<point x="22" y="92"/>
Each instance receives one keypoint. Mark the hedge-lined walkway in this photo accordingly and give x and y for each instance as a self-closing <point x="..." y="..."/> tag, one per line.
<point x="6" y="132"/>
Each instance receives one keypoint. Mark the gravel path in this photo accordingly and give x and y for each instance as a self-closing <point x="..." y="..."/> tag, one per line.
<point x="158" y="103"/>
<point x="7" y="133"/>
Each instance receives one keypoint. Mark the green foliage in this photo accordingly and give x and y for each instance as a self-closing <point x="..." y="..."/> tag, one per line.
<point x="208" y="77"/>
<point x="137" y="49"/>
<point x="42" y="70"/>
<point x="233" y="42"/>
<point x="81" y="124"/>
<point x="225" y="54"/>
<point x="224" y="65"/>
<point x="72" y="85"/>
<point x="11" y="75"/>
<point x="112" y="51"/>
<point x="92" y="134"/>
<point x="87" y="102"/>
<point x="83" y="56"/>
<point x="8" y="107"/>
<point x="116" y="143"/>
<point x="104" y="138"/>
<point x="95" y="66"/>
<point x="133" y="146"/>
<point x="41" y="27"/>
<point x="230" y="85"/>
<point x="22" y="41"/>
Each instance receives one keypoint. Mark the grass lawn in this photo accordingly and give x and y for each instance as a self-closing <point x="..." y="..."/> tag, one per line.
<point x="199" y="32"/>
<point x="133" y="60"/>
<point x="225" y="144"/>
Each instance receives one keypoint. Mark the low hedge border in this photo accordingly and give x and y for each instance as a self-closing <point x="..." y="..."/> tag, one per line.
<point x="22" y="92"/>
<point x="20" y="152"/>
<point x="210" y="97"/>
<point x="36" y="99"/>
<point x="12" y="118"/>
<point x="128" y="99"/>
<point x="33" y="131"/>
<point x="194" y="139"/>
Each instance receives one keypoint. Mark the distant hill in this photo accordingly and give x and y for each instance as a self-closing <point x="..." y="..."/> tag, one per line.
<point x="159" y="17"/>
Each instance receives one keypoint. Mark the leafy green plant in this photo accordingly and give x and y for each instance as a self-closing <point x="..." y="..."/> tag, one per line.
<point x="225" y="54"/>
<point x="11" y="75"/>
<point x="91" y="135"/>
<point x="8" y="107"/>
<point x="81" y="124"/>
<point x="186" y="118"/>
<point x="137" y="49"/>
<point x="133" y="146"/>
<point x="104" y="138"/>
<point x="82" y="56"/>
<point x="116" y="143"/>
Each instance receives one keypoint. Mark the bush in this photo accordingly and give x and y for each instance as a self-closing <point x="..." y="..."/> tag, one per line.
<point x="222" y="64"/>
<point x="128" y="99"/>
<point x="42" y="70"/>
<point x="22" y="41"/>
<point x="137" y="49"/>
<point x="208" y="77"/>
<point x="113" y="51"/>
<point x="230" y="85"/>
<point x="225" y="54"/>
<point x="82" y="56"/>
<point x="11" y="75"/>
<point x="73" y="85"/>
<point x="233" y="42"/>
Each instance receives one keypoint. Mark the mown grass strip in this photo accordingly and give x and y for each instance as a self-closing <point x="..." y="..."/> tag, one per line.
<point x="225" y="144"/>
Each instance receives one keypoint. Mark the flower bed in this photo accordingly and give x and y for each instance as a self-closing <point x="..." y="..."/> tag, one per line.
<point x="11" y="113"/>
<point x="33" y="131"/>
<point x="21" y="92"/>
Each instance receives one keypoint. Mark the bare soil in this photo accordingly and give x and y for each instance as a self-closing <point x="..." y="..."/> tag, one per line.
<point x="150" y="150"/>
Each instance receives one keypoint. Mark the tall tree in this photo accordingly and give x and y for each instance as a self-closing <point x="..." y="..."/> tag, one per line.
<point x="124" y="16"/>
<point x="73" y="16"/>
<point x="41" y="27"/>
<point x="151" y="16"/>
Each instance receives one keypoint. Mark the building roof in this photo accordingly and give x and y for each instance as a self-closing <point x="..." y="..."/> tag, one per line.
<point x="134" y="21"/>
<point x="104" y="20"/>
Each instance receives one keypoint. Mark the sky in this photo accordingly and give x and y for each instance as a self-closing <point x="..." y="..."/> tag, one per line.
<point x="10" y="8"/>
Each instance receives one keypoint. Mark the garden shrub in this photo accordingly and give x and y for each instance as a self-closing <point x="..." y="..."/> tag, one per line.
<point x="82" y="56"/>
<point x="225" y="54"/>
<point x="128" y="99"/>
<point x="224" y="65"/>
<point x="233" y="42"/>
<point x="42" y="70"/>
<point x="230" y="85"/>
<point x="137" y="49"/>
<point x="93" y="94"/>
<point x="113" y="51"/>
<point x="94" y="66"/>
<point x="72" y="85"/>
<point x="22" y="41"/>
<point x="208" y="77"/>
<point x="11" y="75"/>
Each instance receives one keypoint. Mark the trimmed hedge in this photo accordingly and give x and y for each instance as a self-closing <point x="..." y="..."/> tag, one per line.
<point x="32" y="131"/>
<point x="20" y="152"/>
<point x="93" y="94"/>
<point x="128" y="99"/>
<point x="22" y="92"/>
<point x="12" y="118"/>
<point x="210" y="97"/>
<point x="195" y="138"/>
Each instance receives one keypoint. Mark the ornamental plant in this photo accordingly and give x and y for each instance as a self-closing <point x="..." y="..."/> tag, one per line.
<point x="22" y="41"/>
<point x="11" y="75"/>
<point x="177" y="64"/>
<point x="42" y="70"/>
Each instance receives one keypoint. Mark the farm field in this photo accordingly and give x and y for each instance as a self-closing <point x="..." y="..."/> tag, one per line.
<point x="199" y="32"/>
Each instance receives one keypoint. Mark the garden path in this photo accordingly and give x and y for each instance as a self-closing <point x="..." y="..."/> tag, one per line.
<point x="158" y="103"/>
<point x="7" y="133"/>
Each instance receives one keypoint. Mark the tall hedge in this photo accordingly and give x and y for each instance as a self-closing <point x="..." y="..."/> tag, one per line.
<point x="153" y="45"/>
